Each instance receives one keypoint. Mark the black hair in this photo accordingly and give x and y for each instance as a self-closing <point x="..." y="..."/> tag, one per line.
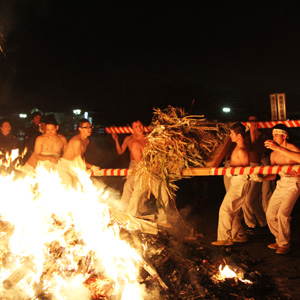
<point x="282" y="127"/>
<point x="36" y="113"/>
<point x="81" y="121"/>
<point x="50" y="120"/>
<point x="239" y="128"/>
<point x="4" y="120"/>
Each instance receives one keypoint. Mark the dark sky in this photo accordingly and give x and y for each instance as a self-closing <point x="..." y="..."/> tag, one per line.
<point x="124" y="57"/>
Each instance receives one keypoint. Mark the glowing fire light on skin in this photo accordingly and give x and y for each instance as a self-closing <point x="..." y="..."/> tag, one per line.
<point x="66" y="235"/>
<point x="226" y="272"/>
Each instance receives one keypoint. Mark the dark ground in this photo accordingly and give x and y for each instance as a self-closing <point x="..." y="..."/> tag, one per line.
<point x="198" y="200"/>
<point x="203" y="217"/>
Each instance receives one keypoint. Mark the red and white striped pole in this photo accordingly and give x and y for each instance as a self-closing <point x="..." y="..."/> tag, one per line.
<point x="266" y="170"/>
<point x="271" y="124"/>
<point x="265" y="124"/>
<point x="124" y="129"/>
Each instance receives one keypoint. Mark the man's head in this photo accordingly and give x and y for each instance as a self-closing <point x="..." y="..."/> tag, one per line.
<point x="36" y="118"/>
<point x="237" y="132"/>
<point x="137" y="127"/>
<point x="51" y="127"/>
<point x="84" y="127"/>
<point x="280" y="133"/>
<point x="5" y="126"/>
<point x="252" y="119"/>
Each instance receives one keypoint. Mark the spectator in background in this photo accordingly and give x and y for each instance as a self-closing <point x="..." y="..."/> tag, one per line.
<point x="7" y="140"/>
<point x="31" y="133"/>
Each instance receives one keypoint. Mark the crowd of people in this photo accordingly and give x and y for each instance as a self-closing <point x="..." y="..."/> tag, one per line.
<point x="43" y="145"/>
<point x="261" y="202"/>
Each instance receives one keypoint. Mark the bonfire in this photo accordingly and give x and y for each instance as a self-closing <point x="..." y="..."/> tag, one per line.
<point x="63" y="243"/>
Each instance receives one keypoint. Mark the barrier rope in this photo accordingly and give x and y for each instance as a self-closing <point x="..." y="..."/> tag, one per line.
<point x="266" y="124"/>
<point x="270" y="124"/>
<point x="124" y="129"/>
<point x="266" y="170"/>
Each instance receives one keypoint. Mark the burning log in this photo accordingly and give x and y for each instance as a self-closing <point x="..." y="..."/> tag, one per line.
<point x="153" y="273"/>
<point x="19" y="274"/>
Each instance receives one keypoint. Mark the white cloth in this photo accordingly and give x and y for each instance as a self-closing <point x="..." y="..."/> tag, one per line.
<point x="254" y="214"/>
<point x="229" y="225"/>
<point x="67" y="171"/>
<point x="28" y="169"/>
<point x="137" y="201"/>
<point x="268" y="187"/>
<point x="128" y="186"/>
<point x="280" y="208"/>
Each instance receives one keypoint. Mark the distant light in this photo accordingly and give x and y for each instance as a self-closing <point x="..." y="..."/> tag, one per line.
<point x="226" y="109"/>
<point x="23" y="116"/>
<point x="86" y="115"/>
<point x="77" y="111"/>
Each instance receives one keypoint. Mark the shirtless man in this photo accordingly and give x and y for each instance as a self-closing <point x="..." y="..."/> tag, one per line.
<point x="135" y="143"/>
<point x="293" y="155"/>
<point x="73" y="156"/>
<point x="287" y="190"/>
<point x="48" y="146"/>
<point x="230" y="228"/>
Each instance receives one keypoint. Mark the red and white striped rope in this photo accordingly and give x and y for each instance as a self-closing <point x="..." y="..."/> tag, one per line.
<point x="125" y="129"/>
<point x="265" y="124"/>
<point x="266" y="170"/>
<point x="271" y="124"/>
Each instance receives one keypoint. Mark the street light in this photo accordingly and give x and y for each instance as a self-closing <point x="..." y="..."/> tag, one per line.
<point x="76" y="112"/>
<point x="226" y="109"/>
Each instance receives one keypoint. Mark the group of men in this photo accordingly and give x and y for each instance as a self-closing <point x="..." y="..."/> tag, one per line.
<point x="51" y="149"/>
<point x="47" y="147"/>
<point x="282" y="200"/>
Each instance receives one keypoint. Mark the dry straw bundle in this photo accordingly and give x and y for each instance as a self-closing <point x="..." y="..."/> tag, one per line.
<point x="178" y="141"/>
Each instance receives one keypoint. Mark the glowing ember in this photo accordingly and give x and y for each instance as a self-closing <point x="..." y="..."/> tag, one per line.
<point x="59" y="243"/>
<point x="226" y="272"/>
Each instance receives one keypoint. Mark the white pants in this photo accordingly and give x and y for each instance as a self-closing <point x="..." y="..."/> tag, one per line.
<point x="254" y="214"/>
<point x="66" y="171"/>
<point x="128" y="186"/>
<point x="268" y="187"/>
<point x="137" y="201"/>
<point x="229" y="214"/>
<point x="280" y="208"/>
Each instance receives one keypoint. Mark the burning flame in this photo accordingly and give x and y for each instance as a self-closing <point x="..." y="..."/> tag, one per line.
<point x="226" y="272"/>
<point x="61" y="243"/>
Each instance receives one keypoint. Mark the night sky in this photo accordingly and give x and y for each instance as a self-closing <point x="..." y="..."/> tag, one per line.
<point x="125" y="58"/>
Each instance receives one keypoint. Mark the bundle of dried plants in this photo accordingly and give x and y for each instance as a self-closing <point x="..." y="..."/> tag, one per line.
<point x="178" y="141"/>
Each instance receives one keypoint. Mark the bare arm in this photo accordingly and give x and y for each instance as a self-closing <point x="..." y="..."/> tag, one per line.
<point x="120" y="149"/>
<point x="38" y="151"/>
<point x="253" y="136"/>
<point x="293" y="154"/>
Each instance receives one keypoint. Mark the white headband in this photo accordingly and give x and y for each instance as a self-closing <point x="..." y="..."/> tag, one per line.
<point x="279" y="131"/>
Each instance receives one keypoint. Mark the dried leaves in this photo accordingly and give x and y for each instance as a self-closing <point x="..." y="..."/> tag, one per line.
<point x="178" y="141"/>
